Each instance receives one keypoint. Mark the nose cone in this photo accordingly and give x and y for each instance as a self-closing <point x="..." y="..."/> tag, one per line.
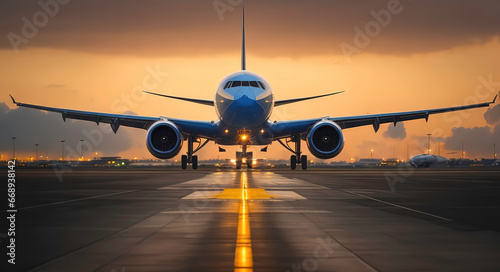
<point x="244" y="93"/>
<point x="245" y="111"/>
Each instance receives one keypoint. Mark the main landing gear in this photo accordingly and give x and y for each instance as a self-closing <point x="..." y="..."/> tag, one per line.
<point x="190" y="158"/>
<point x="297" y="158"/>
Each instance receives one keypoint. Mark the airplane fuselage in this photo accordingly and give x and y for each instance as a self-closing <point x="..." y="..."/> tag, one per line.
<point x="244" y="101"/>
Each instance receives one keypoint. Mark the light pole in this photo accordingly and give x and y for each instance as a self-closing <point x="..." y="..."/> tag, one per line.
<point x="36" y="146"/>
<point x="429" y="143"/>
<point x="14" y="147"/>
<point x="62" y="149"/>
<point x="462" y="155"/>
<point x="81" y="147"/>
<point x="371" y="154"/>
<point x="494" y="152"/>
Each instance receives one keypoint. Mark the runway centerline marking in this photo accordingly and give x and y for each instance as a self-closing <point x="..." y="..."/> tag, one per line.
<point x="74" y="200"/>
<point x="399" y="206"/>
<point x="243" y="259"/>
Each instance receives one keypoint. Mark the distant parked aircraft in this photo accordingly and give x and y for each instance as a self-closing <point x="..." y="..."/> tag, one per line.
<point x="425" y="160"/>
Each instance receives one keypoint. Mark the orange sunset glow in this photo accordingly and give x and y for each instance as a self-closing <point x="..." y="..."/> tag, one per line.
<point x="97" y="56"/>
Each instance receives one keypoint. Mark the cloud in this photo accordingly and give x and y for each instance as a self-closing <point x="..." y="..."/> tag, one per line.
<point x="32" y="127"/>
<point x="477" y="141"/>
<point x="395" y="132"/>
<point x="54" y="85"/>
<point x="173" y="28"/>
<point x="492" y="115"/>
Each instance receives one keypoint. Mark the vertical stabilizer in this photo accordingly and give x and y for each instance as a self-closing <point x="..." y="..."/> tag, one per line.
<point x="243" y="53"/>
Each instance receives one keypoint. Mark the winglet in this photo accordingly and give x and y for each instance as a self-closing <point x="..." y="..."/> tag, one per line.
<point x="494" y="99"/>
<point x="13" y="100"/>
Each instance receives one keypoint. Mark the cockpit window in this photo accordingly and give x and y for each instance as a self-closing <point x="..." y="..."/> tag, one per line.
<point x="236" y="83"/>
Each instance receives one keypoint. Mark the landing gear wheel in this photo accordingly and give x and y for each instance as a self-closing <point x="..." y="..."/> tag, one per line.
<point x="293" y="162"/>
<point x="194" y="162"/>
<point x="303" y="162"/>
<point x="249" y="164"/>
<point x="238" y="165"/>
<point x="184" y="161"/>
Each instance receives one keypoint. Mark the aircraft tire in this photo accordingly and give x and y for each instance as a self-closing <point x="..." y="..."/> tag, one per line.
<point x="194" y="162"/>
<point x="303" y="162"/>
<point x="293" y="162"/>
<point x="184" y="160"/>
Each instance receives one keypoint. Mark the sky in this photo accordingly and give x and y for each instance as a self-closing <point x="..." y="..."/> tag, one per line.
<point x="388" y="56"/>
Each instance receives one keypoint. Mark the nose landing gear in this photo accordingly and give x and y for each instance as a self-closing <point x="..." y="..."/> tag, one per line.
<point x="244" y="137"/>
<point x="244" y="157"/>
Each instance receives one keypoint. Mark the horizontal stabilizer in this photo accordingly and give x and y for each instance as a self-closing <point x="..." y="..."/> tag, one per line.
<point x="199" y="101"/>
<point x="288" y="101"/>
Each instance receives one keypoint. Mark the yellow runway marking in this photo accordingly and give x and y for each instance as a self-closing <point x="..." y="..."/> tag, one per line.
<point x="252" y="193"/>
<point x="243" y="259"/>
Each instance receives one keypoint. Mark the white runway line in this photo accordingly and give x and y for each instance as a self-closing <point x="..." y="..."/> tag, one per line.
<point x="75" y="200"/>
<point x="213" y="181"/>
<point x="399" y="206"/>
<point x="280" y="195"/>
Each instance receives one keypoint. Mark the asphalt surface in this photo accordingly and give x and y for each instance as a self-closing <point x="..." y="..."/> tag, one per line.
<point x="315" y="220"/>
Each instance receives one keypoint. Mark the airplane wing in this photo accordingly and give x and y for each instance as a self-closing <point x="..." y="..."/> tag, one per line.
<point x="288" y="101"/>
<point x="199" y="101"/>
<point x="282" y="129"/>
<point x="203" y="129"/>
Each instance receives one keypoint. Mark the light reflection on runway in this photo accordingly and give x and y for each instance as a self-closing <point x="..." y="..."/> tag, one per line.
<point x="243" y="258"/>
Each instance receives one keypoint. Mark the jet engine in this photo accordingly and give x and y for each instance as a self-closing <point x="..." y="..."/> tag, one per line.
<point x="164" y="140"/>
<point x="325" y="139"/>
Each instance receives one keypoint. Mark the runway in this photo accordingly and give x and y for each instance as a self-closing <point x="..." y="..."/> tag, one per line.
<point x="257" y="220"/>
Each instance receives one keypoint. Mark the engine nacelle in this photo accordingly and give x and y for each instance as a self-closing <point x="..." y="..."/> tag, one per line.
<point x="325" y="139"/>
<point x="164" y="140"/>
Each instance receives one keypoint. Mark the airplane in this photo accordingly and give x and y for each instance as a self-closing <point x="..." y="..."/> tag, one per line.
<point x="425" y="160"/>
<point x="243" y="103"/>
